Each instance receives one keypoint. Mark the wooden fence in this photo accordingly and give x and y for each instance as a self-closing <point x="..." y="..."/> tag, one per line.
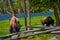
<point x="51" y="30"/>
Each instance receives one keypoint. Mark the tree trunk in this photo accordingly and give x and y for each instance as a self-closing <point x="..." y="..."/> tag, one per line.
<point x="18" y="6"/>
<point x="29" y="19"/>
<point x="25" y="19"/>
<point x="18" y="10"/>
<point x="56" y="16"/>
<point x="5" y="9"/>
<point x="11" y="6"/>
<point x="0" y="10"/>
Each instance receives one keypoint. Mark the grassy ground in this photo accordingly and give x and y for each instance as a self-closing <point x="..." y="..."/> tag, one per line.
<point x="34" y="21"/>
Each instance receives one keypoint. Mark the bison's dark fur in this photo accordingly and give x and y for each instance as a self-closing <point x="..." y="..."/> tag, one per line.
<point x="48" y="21"/>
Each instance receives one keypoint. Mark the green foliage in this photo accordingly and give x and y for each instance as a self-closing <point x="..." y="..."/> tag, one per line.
<point x="15" y="5"/>
<point x="38" y="5"/>
<point x="42" y="5"/>
<point x="35" y="5"/>
<point x="1" y="5"/>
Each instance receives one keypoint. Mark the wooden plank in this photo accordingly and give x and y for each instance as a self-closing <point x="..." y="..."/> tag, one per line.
<point x="32" y="30"/>
<point x="46" y="28"/>
<point x="56" y="32"/>
<point x="7" y="36"/>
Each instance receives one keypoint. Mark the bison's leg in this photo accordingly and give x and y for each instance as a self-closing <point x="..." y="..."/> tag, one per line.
<point x="48" y="24"/>
<point x="12" y="29"/>
<point x="42" y="23"/>
<point x="52" y="23"/>
<point x="17" y="29"/>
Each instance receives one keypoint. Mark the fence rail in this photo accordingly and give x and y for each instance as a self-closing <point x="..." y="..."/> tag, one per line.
<point x="51" y="30"/>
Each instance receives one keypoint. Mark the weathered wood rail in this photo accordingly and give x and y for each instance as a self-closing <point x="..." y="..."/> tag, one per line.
<point x="51" y="30"/>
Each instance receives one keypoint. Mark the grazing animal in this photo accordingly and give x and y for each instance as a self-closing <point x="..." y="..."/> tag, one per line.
<point x="14" y="25"/>
<point x="48" y="21"/>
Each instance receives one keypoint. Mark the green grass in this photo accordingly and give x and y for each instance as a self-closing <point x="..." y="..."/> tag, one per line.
<point x="34" y="21"/>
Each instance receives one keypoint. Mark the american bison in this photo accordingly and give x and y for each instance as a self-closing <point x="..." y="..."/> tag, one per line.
<point x="48" y="21"/>
<point x="14" y="25"/>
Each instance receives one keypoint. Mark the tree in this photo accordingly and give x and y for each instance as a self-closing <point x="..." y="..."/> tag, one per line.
<point x="25" y="19"/>
<point x="19" y="6"/>
<point x="29" y="18"/>
<point x="11" y="6"/>
<point x="38" y="6"/>
<point x="5" y="7"/>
